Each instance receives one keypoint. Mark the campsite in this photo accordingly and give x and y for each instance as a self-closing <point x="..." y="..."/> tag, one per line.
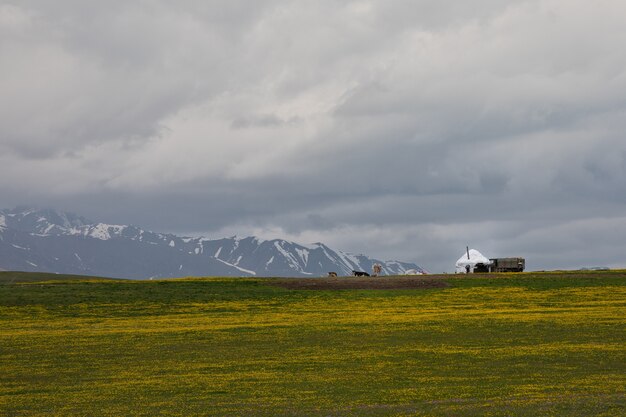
<point x="474" y="261"/>
<point x="441" y="345"/>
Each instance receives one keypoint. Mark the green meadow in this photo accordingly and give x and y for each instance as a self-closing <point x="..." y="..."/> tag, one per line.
<point x="530" y="344"/>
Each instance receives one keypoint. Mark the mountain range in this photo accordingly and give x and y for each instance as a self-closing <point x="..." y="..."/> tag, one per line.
<point x="46" y="240"/>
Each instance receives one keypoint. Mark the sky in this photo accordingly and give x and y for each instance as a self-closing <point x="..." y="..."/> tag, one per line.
<point x="400" y="129"/>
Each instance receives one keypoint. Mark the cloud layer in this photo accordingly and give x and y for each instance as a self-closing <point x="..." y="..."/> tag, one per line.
<point x="402" y="129"/>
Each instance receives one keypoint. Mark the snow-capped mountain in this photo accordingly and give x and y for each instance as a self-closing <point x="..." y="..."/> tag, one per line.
<point x="52" y="241"/>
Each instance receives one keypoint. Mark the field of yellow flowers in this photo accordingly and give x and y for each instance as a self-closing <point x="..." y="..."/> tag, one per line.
<point x="531" y="344"/>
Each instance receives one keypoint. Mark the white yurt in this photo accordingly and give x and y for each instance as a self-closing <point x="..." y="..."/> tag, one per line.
<point x="470" y="258"/>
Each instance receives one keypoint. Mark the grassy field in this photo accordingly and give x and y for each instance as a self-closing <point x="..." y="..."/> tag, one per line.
<point x="533" y="344"/>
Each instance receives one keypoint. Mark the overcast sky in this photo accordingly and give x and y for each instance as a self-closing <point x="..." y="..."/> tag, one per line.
<point x="395" y="128"/>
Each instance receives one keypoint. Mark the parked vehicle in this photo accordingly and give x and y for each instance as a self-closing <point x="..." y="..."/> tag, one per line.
<point x="507" y="264"/>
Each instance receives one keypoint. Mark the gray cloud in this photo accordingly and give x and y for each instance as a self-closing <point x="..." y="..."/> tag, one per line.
<point x="400" y="129"/>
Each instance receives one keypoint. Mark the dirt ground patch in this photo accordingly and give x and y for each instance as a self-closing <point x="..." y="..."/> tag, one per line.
<point x="362" y="283"/>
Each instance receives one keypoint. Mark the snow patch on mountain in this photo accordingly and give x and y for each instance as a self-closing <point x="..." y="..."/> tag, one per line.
<point x="291" y="259"/>
<point x="247" y="271"/>
<point x="102" y="231"/>
<point x="303" y="254"/>
<point x="349" y="259"/>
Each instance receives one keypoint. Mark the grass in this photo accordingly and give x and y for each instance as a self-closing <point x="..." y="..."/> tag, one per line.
<point x="502" y="345"/>
<point x="12" y="277"/>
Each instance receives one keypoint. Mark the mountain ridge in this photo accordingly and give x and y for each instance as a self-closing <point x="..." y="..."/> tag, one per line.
<point x="46" y="240"/>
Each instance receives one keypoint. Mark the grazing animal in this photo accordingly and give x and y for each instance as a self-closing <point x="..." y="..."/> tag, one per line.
<point x="360" y="274"/>
<point x="332" y="274"/>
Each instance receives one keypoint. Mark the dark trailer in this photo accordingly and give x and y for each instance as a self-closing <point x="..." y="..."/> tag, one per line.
<point x="507" y="264"/>
<point x="502" y="265"/>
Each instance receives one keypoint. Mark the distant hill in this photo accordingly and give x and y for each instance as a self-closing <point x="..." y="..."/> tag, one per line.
<point x="14" y="277"/>
<point x="51" y="241"/>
